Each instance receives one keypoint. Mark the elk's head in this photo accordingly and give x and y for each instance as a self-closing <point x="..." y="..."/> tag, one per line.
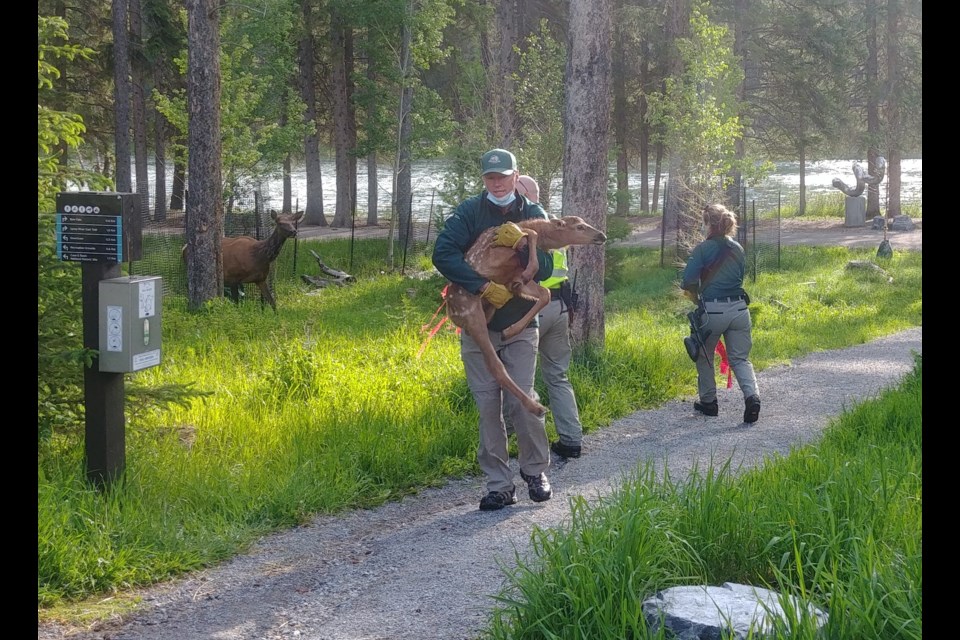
<point x="287" y="224"/>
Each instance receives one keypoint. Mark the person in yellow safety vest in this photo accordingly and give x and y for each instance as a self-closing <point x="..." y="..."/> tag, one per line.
<point x="554" y="347"/>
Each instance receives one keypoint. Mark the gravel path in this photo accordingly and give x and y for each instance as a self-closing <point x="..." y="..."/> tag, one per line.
<point x="817" y="232"/>
<point x="425" y="568"/>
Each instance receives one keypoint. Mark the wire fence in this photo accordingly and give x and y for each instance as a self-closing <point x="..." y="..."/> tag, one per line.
<point x="389" y="248"/>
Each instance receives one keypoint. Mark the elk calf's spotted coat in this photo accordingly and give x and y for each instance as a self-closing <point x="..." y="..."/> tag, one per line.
<point x="503" y="265"/>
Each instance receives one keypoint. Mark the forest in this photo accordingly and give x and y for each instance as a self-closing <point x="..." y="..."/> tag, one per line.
<point x="716" y="89"/>
<point x="583" y="91"/>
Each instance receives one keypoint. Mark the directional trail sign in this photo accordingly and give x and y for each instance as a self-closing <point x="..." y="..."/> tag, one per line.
<point x="98" y="226"/>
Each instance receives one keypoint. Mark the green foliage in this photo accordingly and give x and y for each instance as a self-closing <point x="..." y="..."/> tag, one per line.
<point x="539" y="108"/>
<point x="261" y="114"/>
<point x="844" y="537"/>
<point x="60" y="353"/>
<point x="618" y="228"/>
<point x="698" y="111"/>
<point x="326" y="405"/>
<point x="57" y="130"/>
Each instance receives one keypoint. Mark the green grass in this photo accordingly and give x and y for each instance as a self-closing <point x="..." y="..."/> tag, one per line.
<point x="837" y="525"/>
<point x="325" y="406"/>
<point x="832" y="205"/>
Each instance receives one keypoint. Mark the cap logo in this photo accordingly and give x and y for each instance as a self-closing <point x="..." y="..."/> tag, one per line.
<point x="494" y="159"/>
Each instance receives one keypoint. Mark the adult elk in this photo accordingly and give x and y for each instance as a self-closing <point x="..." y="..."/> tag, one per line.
<point x="246" y="259"/>
<point x="503" y="266"/>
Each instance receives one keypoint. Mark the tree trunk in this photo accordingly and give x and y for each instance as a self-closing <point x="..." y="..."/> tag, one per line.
<point x="872" y="69"/>
<point x="585" y="155"/>
<point x="657" y="177"/>
<point x="894" y="91"/>
<point x="160" y="167"/>
<point x="313" y="210"/>
<point x="287" y="205"/>
<point x="620" y="117"/>
<point x="645" y="136"/>
<point x="373" y="189"/>
<point x="372" y="184"/>
<point x="740" y="37"/>
<point x="205" y="196"/>
<point x="802" y="206"/>
<point x="344" y="142"/>
<point x="179" y="181"/>
<point x="139" y="107"/>
<point x="677" y="196"/>
<point x="403" y="188"/>
<point x="121" y="96"/>
<point x="287" y="186"/>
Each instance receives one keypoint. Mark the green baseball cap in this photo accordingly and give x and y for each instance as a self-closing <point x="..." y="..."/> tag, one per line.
<point x="498" y="161"/>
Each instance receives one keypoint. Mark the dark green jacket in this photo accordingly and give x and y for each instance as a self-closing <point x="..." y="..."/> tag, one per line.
<point x="475" y="215"/>
<point x="715" y="269"/>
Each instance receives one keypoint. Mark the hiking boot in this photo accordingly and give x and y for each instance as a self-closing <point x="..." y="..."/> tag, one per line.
<point x="497" y="500"/>
<point x="565" y="450"/>
<point x="751" y="412"/>
<point x="707" y="408"/>
<point x="539" y="487"/>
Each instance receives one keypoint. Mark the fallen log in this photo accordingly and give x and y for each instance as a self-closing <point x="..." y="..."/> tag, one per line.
<point x="338" y="277"/>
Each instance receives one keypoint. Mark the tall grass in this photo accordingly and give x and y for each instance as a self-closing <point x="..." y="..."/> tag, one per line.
<point x="837" y="525"/>
<point x="325" y="405"/>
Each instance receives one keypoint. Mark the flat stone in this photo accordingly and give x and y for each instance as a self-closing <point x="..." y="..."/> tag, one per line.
<point x="712" y="613"/>
<point x="902" y="223"/>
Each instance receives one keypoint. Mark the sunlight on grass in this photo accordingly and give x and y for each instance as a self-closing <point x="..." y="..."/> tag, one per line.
<point x="324" y="405"/>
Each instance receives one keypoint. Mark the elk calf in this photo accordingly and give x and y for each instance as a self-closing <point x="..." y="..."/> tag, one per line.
<point x="247" y="259"/>
<point x="502" y="265"/>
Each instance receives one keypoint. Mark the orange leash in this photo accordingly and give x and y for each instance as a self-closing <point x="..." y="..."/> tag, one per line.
<point x="437" y="326"/>
<point x="725" y="363"/>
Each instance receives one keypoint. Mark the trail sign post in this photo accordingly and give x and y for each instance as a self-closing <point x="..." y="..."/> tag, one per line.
<point x="99" y="230"/>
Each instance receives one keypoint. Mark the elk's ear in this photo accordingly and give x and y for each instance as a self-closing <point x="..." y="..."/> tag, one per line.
<point x="273" y="214"/>
<point x="559" y="223"/>
<point x="300" y="217"/>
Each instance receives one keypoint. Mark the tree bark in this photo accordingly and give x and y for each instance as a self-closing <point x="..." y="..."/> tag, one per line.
<point x="403" y="187"/>
<point x="644" y="128"/>
<point x="894" y="91"/>
<point x="372" y="184"/>
<point x="740" y="37"/>
<point x="160" y="167"/>
<point x="179" y="181"/>
<point x="620" y="117"/>
<point x="344" y="141"/>
<point x="205" y="196"/>
<point x="139" y="107"/>
<point x="872" y="70"/>
<point x="313" y="211"/>
<point x="373" y="189"/>
<point x="121" y="96"/>
<point x="678" y="22"/>
<point x="585" y="155"/>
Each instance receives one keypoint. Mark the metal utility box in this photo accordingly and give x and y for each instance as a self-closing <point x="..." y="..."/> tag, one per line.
<point x="130" y="323"/>
<point x="99" y="226"/>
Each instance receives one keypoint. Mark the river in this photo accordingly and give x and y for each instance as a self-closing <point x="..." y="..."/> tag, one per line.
<point x="428" y="179"/>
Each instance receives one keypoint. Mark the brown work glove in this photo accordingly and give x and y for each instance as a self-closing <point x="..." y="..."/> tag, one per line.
<point x="509" y="234"/>
<point x="496" y="294"/>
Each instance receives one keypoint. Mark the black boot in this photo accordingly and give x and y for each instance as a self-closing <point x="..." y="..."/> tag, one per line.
<point x="707" y="408"/>
<point x="751" y="412"/>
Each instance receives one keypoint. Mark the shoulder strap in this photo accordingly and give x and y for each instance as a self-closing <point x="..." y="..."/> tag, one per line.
<point x="711" y="269"/>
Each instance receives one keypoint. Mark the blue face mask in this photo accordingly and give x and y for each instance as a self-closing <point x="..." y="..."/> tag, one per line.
<point x="504" y="201"/>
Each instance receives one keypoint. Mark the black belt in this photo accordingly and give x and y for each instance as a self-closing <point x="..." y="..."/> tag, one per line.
<point x="727" y="299"/>
<point x="554" y="294"/>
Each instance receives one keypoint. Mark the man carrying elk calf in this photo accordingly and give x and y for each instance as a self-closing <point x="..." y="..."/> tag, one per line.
<point x="496" y="205"/>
